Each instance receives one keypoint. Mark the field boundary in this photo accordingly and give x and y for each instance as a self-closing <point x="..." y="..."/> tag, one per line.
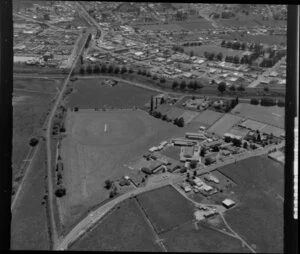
<point x="158" y="240"/>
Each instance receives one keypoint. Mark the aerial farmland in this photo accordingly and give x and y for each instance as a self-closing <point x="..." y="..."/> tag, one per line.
<point x="156" y="127"/>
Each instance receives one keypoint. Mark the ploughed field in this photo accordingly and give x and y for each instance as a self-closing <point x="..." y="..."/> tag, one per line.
<point x="92" y="94"/>
<point x="258" y="219"/>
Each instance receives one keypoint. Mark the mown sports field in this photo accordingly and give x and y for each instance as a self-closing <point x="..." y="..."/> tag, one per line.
<point x="98" y="146"/>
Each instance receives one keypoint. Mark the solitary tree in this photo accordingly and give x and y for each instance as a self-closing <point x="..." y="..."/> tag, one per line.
<point x="33" y="141"/>
<point x="180" y="122"/>
<point x="222" y="87"/>
<point x="60" y="192"/>
<point x="108" y="184"/>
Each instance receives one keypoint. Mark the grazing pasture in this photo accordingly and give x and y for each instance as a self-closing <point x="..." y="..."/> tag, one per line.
<point x="199" y="50"/>
<point x="29" y="229"/>
<point x="31" y="100"/>
<point x="259" y="216"/>
<point x="196" y="25"/>
<point x="187" y="238"/>
<point x="207" y="118"/>
<point x="269" y="115"/>
<point x="224" y="124"/>
<point x="92" y="94"/>
<point x="166" y="208"/>
<point x="124" y="229"/>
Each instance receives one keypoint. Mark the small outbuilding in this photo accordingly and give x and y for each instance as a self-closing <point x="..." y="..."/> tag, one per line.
<point x="228" y="203"/>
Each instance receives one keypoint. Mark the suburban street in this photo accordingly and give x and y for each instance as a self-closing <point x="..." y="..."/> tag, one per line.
<point x="265" y="74"/>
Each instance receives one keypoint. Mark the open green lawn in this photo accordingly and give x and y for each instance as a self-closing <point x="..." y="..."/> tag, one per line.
<point x="260" y="189"/>
<point x="196" y="25"/>
<point x="91" y="94"/>
<point x="268" y="39"/>
<point x="199" y="50"/>
<point x="29" y="223"/>
<point x="124" y="229"/>
<point x="166" y="208"/>
<point x="268" y="115"/>
<point x="186" y="238"/>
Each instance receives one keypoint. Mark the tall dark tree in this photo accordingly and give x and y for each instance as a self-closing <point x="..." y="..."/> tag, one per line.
<point x="175" y="84"/>
<point x="182" y="85"/>
<point x="222" y="87"/>
<point x="220" y="56"/>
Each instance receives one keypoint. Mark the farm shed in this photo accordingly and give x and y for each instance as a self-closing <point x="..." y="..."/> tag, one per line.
<point x="228" y="203"/>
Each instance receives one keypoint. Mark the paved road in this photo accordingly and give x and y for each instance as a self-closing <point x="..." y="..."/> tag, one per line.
<point x="97" y="214"/>
<point x="54" y="235"/>
<point x="90" y="19"/>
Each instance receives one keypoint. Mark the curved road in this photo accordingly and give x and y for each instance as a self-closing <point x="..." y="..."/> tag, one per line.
<point x="84" y="225"/>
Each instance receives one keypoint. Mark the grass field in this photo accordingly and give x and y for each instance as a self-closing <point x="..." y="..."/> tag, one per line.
<point x="197" y="25"/>
<point x="260" y="188"/>
<point x="92" y="156"/>
<point x="268" y="39"/>
<point x="167" y="27"/>
<point x="166" y="208"/>
<point x="199" y="50"/>
<point x="123" y="230"/>
<point x="175" y="112"/>
<point x="31" y="101"/>
<point x="29" y="223"/>
<point x="188" y="116"/>
<point x="224" y="124"/>
<point x="186" y="238"/>
<point x="172" y="152"/>
<point x="270" y="115"/>
<point x="207" y="118"/>
<point x="91" y="94"/>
